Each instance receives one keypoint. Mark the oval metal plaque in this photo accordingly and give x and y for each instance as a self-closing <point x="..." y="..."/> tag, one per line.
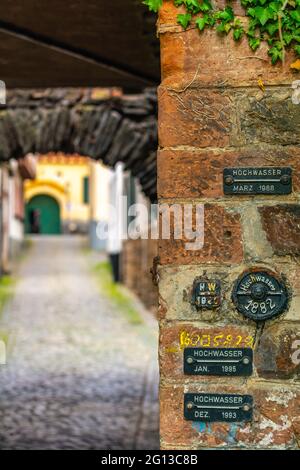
<point x="260" y="295"/>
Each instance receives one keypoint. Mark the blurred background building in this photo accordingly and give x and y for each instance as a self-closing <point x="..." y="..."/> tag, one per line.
<point x="56" y="194"/>
<point x="59" y="195"/>
<point x="12" y="176"/>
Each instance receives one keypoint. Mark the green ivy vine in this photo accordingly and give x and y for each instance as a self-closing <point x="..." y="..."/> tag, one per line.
<point x="276" y="22"/>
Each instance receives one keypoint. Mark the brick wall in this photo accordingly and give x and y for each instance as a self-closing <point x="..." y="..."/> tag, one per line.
<point x="137" y="261"/>
<point x="213" y="115"/>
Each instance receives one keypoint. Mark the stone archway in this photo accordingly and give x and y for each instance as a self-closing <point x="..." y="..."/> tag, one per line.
<point x="101" y="124"/>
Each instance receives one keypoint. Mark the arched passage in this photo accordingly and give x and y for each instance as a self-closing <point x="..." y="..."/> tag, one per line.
<point x="122" y="130"/>
<point x="111" y="129"/>
<point x="43" y="215"/>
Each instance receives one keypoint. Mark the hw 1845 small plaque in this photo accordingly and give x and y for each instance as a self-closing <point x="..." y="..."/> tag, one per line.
<point x="232" y="362"/>
<point x="265" y="180"/>
<point x="213" y="407"/>
<point x="206" y="294"/>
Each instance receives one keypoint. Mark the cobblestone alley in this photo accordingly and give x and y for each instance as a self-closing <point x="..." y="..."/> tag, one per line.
<point x="79" y="374"/>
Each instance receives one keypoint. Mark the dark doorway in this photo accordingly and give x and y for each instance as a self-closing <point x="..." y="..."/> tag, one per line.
<point x="43" y="215"/>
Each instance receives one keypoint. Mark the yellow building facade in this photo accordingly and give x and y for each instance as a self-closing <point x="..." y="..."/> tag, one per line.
<point x="58" y="200"/>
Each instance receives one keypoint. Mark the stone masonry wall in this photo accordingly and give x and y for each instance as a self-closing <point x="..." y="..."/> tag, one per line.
<point x="137" y="261"/>
<point x="212" y="115"/>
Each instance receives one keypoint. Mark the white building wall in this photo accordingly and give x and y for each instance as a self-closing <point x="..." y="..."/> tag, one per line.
<point x="116" y="225"/>
<point x="100" y="200"/>
<point x="16" y="226"/>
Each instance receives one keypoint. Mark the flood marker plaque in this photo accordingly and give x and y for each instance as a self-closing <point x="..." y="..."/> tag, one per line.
<point x="214" y="407"/>
<point x="231" y="362"/>
<point x="257" y="180"/>
<point x="206" y="294"/>
<point x="259" y="295"/>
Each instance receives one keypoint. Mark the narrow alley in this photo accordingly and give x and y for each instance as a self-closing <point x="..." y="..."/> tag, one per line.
<point x="79" y="374"/>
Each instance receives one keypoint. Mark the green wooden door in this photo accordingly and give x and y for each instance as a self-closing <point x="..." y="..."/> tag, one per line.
<point x="47" y="211"/>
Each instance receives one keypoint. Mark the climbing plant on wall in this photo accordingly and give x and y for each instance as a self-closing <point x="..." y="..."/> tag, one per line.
<point x="275" y="22"/>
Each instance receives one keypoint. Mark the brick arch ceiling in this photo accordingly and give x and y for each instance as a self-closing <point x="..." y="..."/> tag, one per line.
<point x="106" y="126"/>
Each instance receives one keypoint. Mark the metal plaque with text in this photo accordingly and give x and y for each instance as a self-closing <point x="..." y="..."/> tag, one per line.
<point x="206" y="294"/>
<point x="256" y="180"/>
<point x="259" y="295"/>
<point x="214" y="407"/>
<point x="218" y="361"/>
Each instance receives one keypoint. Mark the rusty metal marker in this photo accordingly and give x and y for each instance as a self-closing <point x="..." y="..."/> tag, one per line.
<point x="260" y="295"/>
<point x="206" y="294"/>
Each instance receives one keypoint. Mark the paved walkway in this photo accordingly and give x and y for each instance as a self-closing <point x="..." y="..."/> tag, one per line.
<point x="79" y="375"/>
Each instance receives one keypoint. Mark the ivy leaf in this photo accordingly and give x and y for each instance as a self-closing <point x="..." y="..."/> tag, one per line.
<point x="254" y="43"/>
<point x="238" y="33"/>
<point x="153" y="5"/>
<point x="184" y="19"/>
<point x="295" y="15"/>
<point x="226" y="15"/>
<point x="272" y="28"/>
<point x="263" y="14"/>
<point x="201" y="22"/>
<point x="206" y="6"/>
<point x="288" y="38"/>
<point x="274" y="22"/>
<point x="275" y="53"/>
<point x="192" y="6"/>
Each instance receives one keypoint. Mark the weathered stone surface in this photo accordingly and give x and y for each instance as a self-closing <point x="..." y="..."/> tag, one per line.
<point x="278" y="352"/>
<point x="199" y="117"/>
<point x="275" y="424"/>
<point x="195" y="118"/>
<point x="176" y="285"/>
<point x="222" y="240"/>
<point x="136" y="264"/>
<point x="289" y="271"/>
<point x="282" y="226"/>
<point x="256" y="246"/>
<point x="269" y="117"/>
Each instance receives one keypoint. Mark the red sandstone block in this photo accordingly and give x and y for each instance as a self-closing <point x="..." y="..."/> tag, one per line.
<point x="196" y="118"/>
<point x="201" y="117"/>
<point x="222" y="240"/>
<point x="193" y="174"/>
<point x="281" y="224"/>
<point x="275" y="424"/>
<point x="175" y="338"/>
<point x="278" y="352"/>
